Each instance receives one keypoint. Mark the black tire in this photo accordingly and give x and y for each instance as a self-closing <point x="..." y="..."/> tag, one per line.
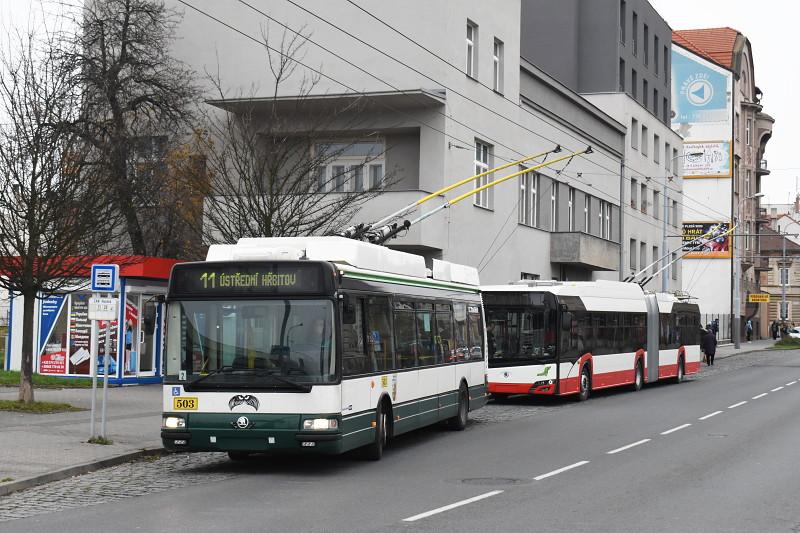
<point x="459" y="422"/>
<point x="585" y="384"/>
<point x="638" y="377"/>
<point x="238" y="456"/>
<point x="374" y="451"/>
<point x="681" y="371"/>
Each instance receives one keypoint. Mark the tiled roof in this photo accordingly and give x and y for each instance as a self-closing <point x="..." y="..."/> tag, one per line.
<point x="772" y="241"/>
<point x="715" y="44"/>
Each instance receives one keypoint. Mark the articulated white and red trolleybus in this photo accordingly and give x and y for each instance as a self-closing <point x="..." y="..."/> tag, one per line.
<point x="569" y="338"/>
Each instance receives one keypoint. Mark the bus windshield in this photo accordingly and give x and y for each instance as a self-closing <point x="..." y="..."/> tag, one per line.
<point x="256" y="343"/>
<point x="520" y="335"/>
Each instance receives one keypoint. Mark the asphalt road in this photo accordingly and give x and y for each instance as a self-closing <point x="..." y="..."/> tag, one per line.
<point x="716" y="453"/>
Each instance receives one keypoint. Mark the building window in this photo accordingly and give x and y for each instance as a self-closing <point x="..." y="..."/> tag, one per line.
<point x="667" y="160"/>
<point x="784" y="276"/>
<point x="655" y="54"/>
<point x="634" y="84"/>
<point x="554" y="206"/>
<point x="632" y="254"/>
<point x="666" y="65"/>
<point x="747" y="236"/>
<point x="673" y="267"/>
<point x="643" y="199"/>
<point x="645" y="90"/>
<point x="571" y="209"/>
<point x="736" y="125"/>
<point x="642" y="255"/>
<point x="497" y="66"/>
<point x="634" y="134"/>
<point x="529" y="276"/>
<point x="344" y="165"/>
<point x="635" y="33"/>
<point x="621" y="75"/>
<point x="622" y="13"/>
<point x="601" y="219"/>
<point x="747" y="184"/>
<point x="482" y="154"/>
<point x="665" y="111"/>
<point x="656" y="198"/>
<point x="646" y="44"/>
<point x="674" y="161"/>
<point x="634" y="193"/>
<point x="472" y="40"/>
<point x="655" y="102"/>
<point x="529" y="199"/>
<point x="656" y="149"/>
<point x="674" y="214"/>
<point x="655" y="259"/>
<point x="587" y="220"/>
<point x="645" y="133"/>
<point x="748" y="132"/>
<point x="608" y="221"/>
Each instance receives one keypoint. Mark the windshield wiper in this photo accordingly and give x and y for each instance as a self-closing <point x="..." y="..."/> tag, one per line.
<point x="294" y="384"/>
<point x="223" y="368"/>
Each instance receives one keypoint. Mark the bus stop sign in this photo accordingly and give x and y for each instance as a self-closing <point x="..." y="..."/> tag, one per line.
<point x="105" y="278"/>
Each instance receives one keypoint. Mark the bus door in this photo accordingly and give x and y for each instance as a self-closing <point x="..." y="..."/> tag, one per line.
<point x="653" y="330"/>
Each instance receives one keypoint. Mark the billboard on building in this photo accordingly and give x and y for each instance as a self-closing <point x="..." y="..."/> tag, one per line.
<point x="702" y="114"/>
<point x="699" y="246"/>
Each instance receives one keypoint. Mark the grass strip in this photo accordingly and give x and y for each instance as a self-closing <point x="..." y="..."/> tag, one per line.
<point x="37" y="407"/>
<point x="10" y="378"/>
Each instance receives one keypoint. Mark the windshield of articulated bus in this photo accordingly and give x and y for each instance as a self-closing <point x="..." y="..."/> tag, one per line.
<point x="518" y="335"/>
<point x="270" y="343"/>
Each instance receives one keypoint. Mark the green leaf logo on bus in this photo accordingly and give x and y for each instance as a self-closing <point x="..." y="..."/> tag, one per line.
<point x="544" y="372"/>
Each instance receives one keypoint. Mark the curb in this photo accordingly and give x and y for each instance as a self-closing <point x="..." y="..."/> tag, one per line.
<point x="77" y="470"/>
<point x="743" y="352"/>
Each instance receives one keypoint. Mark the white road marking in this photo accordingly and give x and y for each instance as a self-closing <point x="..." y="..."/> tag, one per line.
<point x="759" y="396"/>
<point x="791" y="383"/>
<point x="734" y="406"/>
<point x="776" y="389"/>
<point x="637" y="443"/>
<point x="709" y="415"/>
<point x="673" y="430"/>
<point x="452" y="506"/>
<point x="560" y="470"/>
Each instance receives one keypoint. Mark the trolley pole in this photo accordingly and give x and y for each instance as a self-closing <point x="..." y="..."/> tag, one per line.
<point x="622" y="239"/>
<point x="784" y="281"/>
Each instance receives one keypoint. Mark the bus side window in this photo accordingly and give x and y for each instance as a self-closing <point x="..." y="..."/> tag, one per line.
<point x="475" y="332"/>
<point x="460" y="330"/>
<point x="425" y="340"/>
<point x="379" y="333"/>
<point x="405" y="337"/>
<point x="354" y="356"/>
<point x="445" y="341"/>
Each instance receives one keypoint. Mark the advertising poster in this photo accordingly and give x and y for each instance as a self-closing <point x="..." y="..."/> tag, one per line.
<point x="702" y="112"/>
<point x="52" y="339"/>
<point x="80" y="333"/>
<point x="699" y="246"/>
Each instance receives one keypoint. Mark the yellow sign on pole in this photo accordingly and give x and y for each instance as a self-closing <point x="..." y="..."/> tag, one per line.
<point x="761" y="298"/>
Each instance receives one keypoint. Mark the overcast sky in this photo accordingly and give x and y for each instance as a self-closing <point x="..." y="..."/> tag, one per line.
<point x="770" y="25"/>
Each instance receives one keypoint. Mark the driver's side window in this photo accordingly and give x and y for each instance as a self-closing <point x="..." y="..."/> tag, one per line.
<point x="354" y="356"/>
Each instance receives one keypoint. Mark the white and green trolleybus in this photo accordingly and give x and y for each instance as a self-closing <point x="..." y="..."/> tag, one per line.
<point x="318" y="345"/>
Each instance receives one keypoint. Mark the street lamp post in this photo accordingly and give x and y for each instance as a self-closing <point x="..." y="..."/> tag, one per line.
<point x="737" y="273"/>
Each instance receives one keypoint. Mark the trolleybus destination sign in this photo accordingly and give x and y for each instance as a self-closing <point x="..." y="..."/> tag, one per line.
<point x="249" y="278"/>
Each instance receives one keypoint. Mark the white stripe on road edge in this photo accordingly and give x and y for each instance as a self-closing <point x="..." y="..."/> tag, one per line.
<point x="791" y="383"/>
<point x="560" y="470"/>
<point x="673" y="430"/>
<point x="776" y="389"/>
<point x="734" y="406"/>
<point x="452" y="506"/>
<point x="759" y="396"/>
<point x="709" y="415"/>
<point x="637" y="443"/>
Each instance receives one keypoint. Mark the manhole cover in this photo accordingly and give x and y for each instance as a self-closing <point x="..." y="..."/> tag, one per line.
<point x="493" y="481"/>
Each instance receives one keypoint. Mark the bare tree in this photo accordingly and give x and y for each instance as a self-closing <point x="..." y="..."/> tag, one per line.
<point x="137" y="99"/>
<point x="269" y="160"/>
<point x="54" y="210"/>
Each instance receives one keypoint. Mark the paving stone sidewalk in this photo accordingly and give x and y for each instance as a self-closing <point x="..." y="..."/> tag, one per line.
<point x="32" y="445"/>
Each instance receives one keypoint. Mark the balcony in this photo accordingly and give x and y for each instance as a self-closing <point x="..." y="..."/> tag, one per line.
<point x="762" y="169"/>
<point x="583" y="250"/>
<point x="762" y="264"/>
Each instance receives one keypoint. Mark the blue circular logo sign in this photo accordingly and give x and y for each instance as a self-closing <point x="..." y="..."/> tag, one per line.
<point x="699" y="92"/>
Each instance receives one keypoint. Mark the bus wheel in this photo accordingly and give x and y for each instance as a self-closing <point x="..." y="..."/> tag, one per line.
<point x="238" y="456"/>
<point x="459" y="422"/>
<point x="374" y="451"/>
<point x="638" y="378"/>
<point x="679" y="376"/>
<point x="585" y="384"/>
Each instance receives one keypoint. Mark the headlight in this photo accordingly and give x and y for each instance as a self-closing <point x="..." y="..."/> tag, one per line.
<point x="321" y="423"/>
<point x="173" y="422"/>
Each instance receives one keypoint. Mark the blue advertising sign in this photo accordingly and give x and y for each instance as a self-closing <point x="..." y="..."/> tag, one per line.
<point x="701" y="91"/>
<point x="105" y="278"/>
<point x="51" y="308"/>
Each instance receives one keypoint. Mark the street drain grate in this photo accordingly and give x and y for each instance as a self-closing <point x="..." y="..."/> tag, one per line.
<point x="493" y="481"/>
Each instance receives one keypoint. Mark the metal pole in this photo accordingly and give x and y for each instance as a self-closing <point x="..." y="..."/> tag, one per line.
<point x="664" y="276"/>
<point x="737" y="304"/>
<point x="105" y="379"/>
<point x="622" y="238"/>
<point x="93" y="364"/>
<point x="784" y="311"/>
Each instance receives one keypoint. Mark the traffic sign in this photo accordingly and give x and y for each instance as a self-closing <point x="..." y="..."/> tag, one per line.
<point x="105" y="278"/>
<point x="759" y="298"/>
<point x="102" y="308"/>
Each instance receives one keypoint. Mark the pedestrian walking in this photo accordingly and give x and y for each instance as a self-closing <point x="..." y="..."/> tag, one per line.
<point x="774" y="329"/>
<point x="748" y="328"/>
<point x="709" y="345"/>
